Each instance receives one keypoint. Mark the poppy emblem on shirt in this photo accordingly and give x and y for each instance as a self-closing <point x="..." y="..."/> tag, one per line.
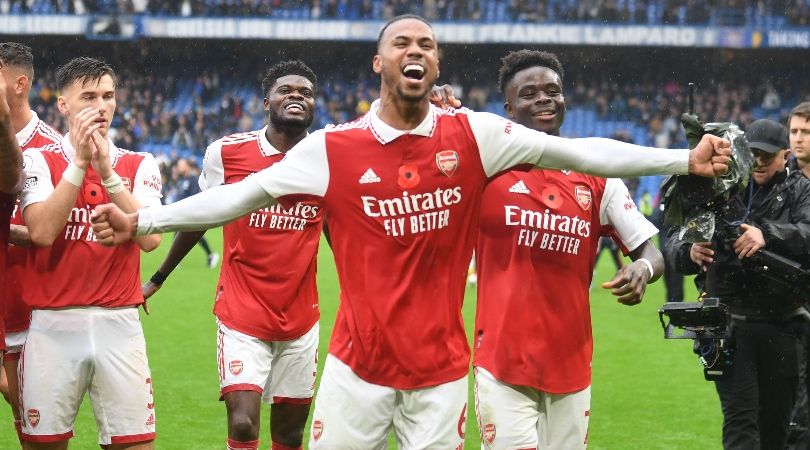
<point x="317" y="429"/>
<point x="92" y="194"/>
<point x="236" y="367"/>
<point x="408" y="176"/>
<point x="447" y="161"/>
<point x="583" y="196"/>
<point x="33" y="417"/>
<point x="551" y="197"/>
<point x="489" y="433"/>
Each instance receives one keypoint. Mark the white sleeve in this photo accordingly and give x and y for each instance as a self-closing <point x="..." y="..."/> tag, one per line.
<point x="213" y="171"/>
<point x="619" y="211"/>
<point x="208" y="209"/>
<point x="504" y="144"/>
<point x="38" y="186"/>
<point x="147" y="188"/>
<point x="304" y="169"/>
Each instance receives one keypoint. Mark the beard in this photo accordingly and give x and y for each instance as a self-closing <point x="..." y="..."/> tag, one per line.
<point x="294" y="124"/>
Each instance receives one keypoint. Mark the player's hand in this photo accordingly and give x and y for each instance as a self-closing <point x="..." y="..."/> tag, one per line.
<point x="701" y="253"/>
<point x="444" y="97"/>
<point x="113" y="226"/>
<point x="750" y="242"/>
<point x="149" y="289"/>
<point x="101" y="156"/>
<point x="629" y="283"/>
<point x="710" y="157"/>
<point x="83" y="125"/>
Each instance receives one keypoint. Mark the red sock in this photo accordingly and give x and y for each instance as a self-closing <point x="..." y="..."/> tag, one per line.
<point x="239" y="445"/>
<point x="277" y="446"/>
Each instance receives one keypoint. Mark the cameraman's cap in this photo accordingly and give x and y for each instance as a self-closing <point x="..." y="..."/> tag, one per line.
<point x="767" y="135"/>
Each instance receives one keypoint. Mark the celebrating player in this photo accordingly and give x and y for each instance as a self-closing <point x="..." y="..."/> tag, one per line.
<point x="401" y="187"/>
<point x="539" y="230"/>
<point x="85" y="335"/>
<point x="17" y="69"/>
<point x="10" y="181"/>
<point x="266" y="298"/>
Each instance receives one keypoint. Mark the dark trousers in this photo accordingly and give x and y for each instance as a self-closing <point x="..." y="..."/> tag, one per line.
<point x="758" y="396"/>
<point x="799" y="436"/>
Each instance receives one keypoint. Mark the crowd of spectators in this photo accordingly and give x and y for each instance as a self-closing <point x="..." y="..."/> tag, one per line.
<point x="188" y="113"/>
<point x="699" y="12"/>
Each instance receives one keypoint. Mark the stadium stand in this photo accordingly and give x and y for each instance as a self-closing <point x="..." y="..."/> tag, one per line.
<point x="769" y="13"/>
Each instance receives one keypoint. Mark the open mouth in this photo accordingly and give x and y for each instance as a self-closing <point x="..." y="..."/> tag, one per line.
<point x="414" y="72"/>
<point x="294" y="107"/>
<point x="545" y="115"/>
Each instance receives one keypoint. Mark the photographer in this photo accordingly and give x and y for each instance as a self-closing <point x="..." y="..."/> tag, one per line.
<point x="772" y="213"/>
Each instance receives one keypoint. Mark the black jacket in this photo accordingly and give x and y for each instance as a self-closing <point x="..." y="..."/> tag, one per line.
<point x="781" y="209"/>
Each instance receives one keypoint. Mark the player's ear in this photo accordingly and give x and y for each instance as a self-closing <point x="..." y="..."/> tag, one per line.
<point x="62" y="105"/>
<point x="508" y="108"/>
<point x="376" y="64"/>
<point x="20" y="84"/>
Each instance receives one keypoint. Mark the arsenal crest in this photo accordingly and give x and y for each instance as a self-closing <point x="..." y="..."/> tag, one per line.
<point x="447" y="161"/>
<point x="33" y="417"/>
<point x="317" y="429"/>
<point x="489" y="433"/>
<point x="583" y="196"/>
<point x="236" y="367"/>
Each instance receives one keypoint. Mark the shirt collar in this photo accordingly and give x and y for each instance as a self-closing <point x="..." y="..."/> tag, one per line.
<point x="70" y="152"/>
<point x="28" y="130"/>
<point x="385" y="133"/>
<point x="265" y="145"/>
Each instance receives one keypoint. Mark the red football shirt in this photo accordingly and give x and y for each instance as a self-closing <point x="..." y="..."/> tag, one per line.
<point x="35" y="134"/>
<point x="538" y="238"/>
<point x="6" y="207"/>
<point x="76" y="270"/>
<point x="266" y="286"/>
<point x="401" y="209"/>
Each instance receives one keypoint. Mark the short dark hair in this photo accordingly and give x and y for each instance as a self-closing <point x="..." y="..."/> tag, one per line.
<point x="82" y="69"/>
<point x="397" y="19"/>
<point x="801" y="110"/>
<point x="514" y="62"/>
<point x="17" y="55"/>
<point x="284" y="68"/>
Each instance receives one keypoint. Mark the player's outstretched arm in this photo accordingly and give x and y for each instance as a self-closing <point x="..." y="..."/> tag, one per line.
<point x="630" y="282"/>
<point x="208" y="209"/>
<point x="182" y="244"/>
<point x="504" y="144"/>
<point x="610" y="158"/>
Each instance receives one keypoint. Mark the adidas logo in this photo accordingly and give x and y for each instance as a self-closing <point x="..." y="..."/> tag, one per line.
<point x="369" y="177"/>
<point x="519" y="188"/>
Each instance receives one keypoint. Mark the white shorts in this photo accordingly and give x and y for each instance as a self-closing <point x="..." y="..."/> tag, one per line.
<point x="100" y="351"/>
<point x="518" y="417"/>
<point x="282" y="371"/>
<point x="353" y="414"/>
<point x="15" y="341"/>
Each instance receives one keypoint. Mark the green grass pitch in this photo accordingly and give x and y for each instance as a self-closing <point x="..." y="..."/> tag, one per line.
<point x="648" y="393"/>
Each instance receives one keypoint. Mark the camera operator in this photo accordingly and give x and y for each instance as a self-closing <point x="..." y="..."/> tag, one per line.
<point x="758" y="393"/>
